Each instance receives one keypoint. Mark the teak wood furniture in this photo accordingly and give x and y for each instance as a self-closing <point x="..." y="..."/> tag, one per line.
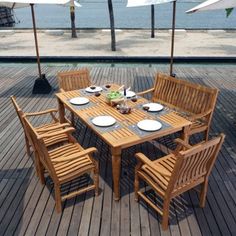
<point x="65" y="162"/>
<point x="122" y="134"/>
<point x="51" y="124"/>
<point x="176" y="173"/>
<point x="71" y="80"/>
<point x="192" y="101"/>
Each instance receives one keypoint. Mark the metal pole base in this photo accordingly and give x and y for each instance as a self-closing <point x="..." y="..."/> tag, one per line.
<point x="41" y="86"/>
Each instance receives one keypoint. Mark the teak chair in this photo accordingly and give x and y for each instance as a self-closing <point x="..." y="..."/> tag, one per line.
<point x="52" y="124"/>
<point x="65" y="162"/>
<point x="72" y="80"/>
<point x="192" y="101"/>
<point x="176" y="173"/>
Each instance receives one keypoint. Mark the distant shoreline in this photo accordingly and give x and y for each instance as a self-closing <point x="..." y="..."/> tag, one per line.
<point x="66" y="30"/>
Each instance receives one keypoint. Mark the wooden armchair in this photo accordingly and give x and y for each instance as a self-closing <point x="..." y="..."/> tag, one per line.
<point x="192" y="101"/>
<point x="65" y="162"/>
<point x="72" y="80"/>
<point x="176" y="173"/>
<point x="52" y="123"/>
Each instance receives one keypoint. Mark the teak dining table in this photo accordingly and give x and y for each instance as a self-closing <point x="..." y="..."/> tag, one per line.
<point x="124" y="133"/>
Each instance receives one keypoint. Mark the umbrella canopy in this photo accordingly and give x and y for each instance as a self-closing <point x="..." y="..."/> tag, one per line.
<point x="41" y="84"/>
<point x="25" y="3"/>
<point x="213" y="5"/>
<point x="136" y="3"/>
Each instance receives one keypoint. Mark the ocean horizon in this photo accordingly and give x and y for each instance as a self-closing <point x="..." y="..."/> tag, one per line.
<point x="94" y="14"/>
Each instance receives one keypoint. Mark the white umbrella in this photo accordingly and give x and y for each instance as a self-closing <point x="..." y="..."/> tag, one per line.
<point x="135" y="3"/>
<point x="213" y="5"/>
<point x="41" y="84"/>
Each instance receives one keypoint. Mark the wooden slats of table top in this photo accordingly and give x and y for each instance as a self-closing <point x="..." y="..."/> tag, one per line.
<point x="122" y="136"/>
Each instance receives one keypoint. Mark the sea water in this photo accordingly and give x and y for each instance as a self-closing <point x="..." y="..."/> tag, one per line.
<point x="94" y="14"/>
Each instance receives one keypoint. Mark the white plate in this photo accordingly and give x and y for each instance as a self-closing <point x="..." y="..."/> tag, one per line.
<point x="149" y="125"/>
<point x="97" y="89"/>
<point x="104" y="121"/>
<point x="79" y="101"/>
<point x="129" y="94"/>
<point x="154" y="106"/>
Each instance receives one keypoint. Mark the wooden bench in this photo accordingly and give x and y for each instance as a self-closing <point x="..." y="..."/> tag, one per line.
<point x="192" y="101"/>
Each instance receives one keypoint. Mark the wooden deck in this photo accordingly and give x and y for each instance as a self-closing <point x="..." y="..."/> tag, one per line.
<point x="27" y="207"/>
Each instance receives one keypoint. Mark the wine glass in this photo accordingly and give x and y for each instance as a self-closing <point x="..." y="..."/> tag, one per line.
<point x="107" y="84"/>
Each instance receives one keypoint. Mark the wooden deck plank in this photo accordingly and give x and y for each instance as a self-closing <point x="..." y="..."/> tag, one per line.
<point x="28" y="208"/>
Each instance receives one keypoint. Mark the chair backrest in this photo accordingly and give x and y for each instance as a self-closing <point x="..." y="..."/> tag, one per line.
<point x="72" y="80"/>
<point x="19" y="112"/>
<point x="40" y="148"/>
<point x="183" y="95"/>
<point x="194" y="164"/>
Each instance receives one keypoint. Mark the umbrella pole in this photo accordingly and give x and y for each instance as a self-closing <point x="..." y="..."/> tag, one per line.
<point x="172" y="39"/>
<point x="36" y="40"/>
<point x="41" y="84"/>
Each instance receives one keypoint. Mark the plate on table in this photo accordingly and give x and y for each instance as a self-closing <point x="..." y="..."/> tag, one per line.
<point x="129" y="94"/>
<point x="149" y="125"/>
<point x="93" y="89"/>
<point x="103" y="121"/>
<point x="153" y="106"/>
<point x="79" y="101"/>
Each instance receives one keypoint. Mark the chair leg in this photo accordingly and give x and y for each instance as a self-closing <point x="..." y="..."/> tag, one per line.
<point x="96" y="179"/>
<point x="203" y="193"/>
<point x="27" y="145"/>
<point x="41" y="173"/>
<point x="136" y="186"/>
<point x="58" y="198"/>
<point x="165" y="217"/>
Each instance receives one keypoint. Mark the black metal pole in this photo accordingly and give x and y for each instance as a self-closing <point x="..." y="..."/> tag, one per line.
<point x="172" y="39"/>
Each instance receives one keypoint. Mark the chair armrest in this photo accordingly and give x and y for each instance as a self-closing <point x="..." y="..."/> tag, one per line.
<point x="201" y="115"/>
<point x="75" y="156"/>
<point x="61" y="90"/>
<point x="55" y="127"/>
<point x="158" y="168"/>
<point x="182" y="143"/>
<point x="41" y="112"/>
<point x="145" y="92"/>
<point x="51" y="134"/>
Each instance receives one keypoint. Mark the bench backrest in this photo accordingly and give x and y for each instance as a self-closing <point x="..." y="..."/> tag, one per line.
<point x="183" y="95"/>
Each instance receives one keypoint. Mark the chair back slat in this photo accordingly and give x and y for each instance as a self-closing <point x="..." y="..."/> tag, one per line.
<point x="193" y="164"/>
<point x="72" y="80"/>
<point x="184" y="95"/>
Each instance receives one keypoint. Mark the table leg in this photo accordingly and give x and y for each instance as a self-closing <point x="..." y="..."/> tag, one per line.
<point x="61" y="110"/>
<point x="116" y="160"/>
